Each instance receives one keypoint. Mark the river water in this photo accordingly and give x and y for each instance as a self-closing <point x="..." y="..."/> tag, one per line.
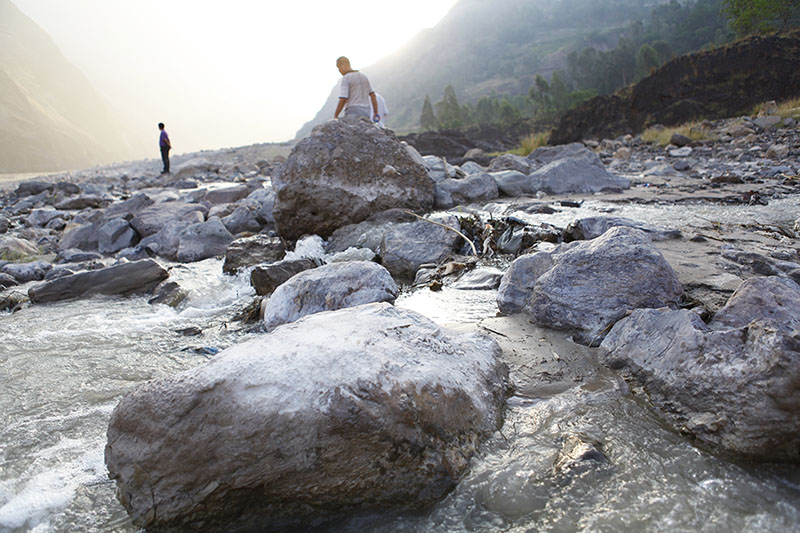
<point x="64" y="366"/>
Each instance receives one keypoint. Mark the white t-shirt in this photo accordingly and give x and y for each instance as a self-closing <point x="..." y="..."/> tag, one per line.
<point x="356" y="88"/>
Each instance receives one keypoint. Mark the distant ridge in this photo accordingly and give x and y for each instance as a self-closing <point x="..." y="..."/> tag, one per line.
<point x="52" y="117"/>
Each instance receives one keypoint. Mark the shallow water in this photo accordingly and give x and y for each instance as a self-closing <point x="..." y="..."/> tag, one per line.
<point x="64" y="366"/>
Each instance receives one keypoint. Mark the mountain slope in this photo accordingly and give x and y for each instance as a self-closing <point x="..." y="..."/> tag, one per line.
<point x="51" y="118"/>
<point x="490" y="46"/>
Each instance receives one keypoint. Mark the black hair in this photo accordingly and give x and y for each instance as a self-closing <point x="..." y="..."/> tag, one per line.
<point x="161" y="125"/>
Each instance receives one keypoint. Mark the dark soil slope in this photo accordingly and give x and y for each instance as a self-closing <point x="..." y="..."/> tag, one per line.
<point x="719" y="83"/>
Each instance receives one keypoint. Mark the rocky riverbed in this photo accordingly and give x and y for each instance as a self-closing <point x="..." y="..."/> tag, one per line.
<point x="428" y="346"/>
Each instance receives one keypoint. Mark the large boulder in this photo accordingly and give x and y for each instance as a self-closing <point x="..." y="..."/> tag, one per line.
<point x="151" y="219"/>
<point x="547" y="154"/>
<point x="575" y="176"/>
<point x="124" y="278"/>
<point x="476" y="188"/>
<point x="227" y="194"/>
<point x="408" y="245"/>
<point x="734" y="384"/>
<point x="328" y="288"/>
<point x="587" y="286"/>
<point x="250" y="251"/>
<point x="369" y="407"/>
<point x="203" y="240"/>
<point x="342" y="173"/>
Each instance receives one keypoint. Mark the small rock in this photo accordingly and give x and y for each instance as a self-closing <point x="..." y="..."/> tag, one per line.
<point x="679" y="140"/>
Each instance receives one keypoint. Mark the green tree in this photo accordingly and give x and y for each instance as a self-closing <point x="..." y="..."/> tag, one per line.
<point x="646" y="60"/>
<point x="508" y="114"/>
<point x="428" y="120"/>
<point x="449" y="112"/>
<point x="486" y="111"/>
<point x="752" y="16"/>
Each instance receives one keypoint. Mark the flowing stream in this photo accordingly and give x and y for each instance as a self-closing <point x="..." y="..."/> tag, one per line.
<point x="64" y="366"/>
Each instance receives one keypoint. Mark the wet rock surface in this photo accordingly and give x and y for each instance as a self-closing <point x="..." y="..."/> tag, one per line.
<point x="369" y="396"/>
<point x="731" y="384"/>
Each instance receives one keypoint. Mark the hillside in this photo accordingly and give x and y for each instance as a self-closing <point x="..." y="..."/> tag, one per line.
<point x="490" y="46"/>
<point x="719" y="83"/>
<point x="52" y="117"/>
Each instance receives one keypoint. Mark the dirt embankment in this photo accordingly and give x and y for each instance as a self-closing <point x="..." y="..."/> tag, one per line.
<point x="719" y="83"/>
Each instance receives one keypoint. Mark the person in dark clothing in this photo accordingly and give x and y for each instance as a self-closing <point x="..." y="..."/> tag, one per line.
<point x="164" y="144"/>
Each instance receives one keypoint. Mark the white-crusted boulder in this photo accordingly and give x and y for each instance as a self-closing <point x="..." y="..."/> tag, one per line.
<point x="328" y="288"/>
<point x="362" y="408"/>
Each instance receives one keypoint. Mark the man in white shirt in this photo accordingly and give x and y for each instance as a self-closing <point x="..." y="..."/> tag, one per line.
<point x="355" y="94"/>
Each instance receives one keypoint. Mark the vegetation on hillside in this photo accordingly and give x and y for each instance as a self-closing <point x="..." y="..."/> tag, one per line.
<point x="670" y="28"/>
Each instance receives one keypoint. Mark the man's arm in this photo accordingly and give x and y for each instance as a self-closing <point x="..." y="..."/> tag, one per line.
<point x="374" y="104"/>
<point x="339" y="107"/>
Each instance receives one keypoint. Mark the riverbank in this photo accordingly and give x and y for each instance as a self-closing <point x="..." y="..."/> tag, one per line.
<point x="576" y="449"/>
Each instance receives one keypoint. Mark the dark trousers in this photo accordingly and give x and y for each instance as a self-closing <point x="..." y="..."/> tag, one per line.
<point x="165" y="158"/>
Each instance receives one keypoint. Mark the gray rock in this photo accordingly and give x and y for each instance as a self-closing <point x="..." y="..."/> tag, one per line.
<point x="680" y="140"/>
<point x="129" y="207"/>
<point x="226" y="195"/>
<point x="151" y="219"/>
<point x="575" y="176"/>
<point x="320" y="410"/>
<point x="342" y="173"/>
<point x="17" y="249"/>
<point x="472" y="189"/>
<point x="121" y="279"/>
<point x="734" y="384"/>
<point x="89" y="201"/>
<point x="241" y="220"/>
<point x="686" y="151"/>
<point x="83" y="237"/>
<point x="168" y="293"/>
<point x="32" y="188"/>
<point x="40" y="217"/>
<point x="592" y="284"/>
<point x="115" y="235"/>
<point x="768" y="122"/>
<point x="74" y="255"/>
<point x="203" y="240"/>
<point x="250" y="251"/>
<point x="367" y="234"/>
<point x="408" y="245"/>
<point x="328" y="288"/>
<point x="264" y="199"/>
<point x="518" y="282"/>
<point x="471" y="167"/>
<point x="4" y="224"/>
<point x="592" y="227"/>
<point x="195" y="167"/>
<point x="25" y="272"/>
<point x="577" y="151"/>
<point x="512" y="183"/>
<point x="7" y="280"/>
<point x="166" y="242"/>
<point x="778" y="151"/>
<point x="479" y="279"/>
<point x="266" y="278"/>
<point x="681" y="165"/>
<point x="511" y="162"/>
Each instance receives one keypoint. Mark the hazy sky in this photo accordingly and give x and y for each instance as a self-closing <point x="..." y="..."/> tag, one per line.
<point x="225" y="72"/>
